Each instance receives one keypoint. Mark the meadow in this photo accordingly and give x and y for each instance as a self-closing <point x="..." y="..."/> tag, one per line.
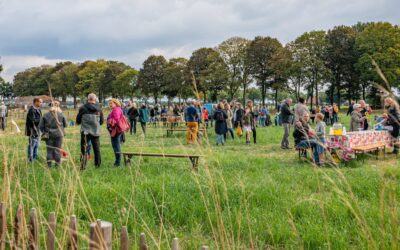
<point x="242" y="197"/>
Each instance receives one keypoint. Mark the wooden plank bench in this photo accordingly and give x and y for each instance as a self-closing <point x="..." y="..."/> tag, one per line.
<point x="194" y="159"/>
<point x="170" y="131"/>
<point x="376" y="147"/>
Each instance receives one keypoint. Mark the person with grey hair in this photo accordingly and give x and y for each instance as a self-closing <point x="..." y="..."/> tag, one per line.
<point x="3" y="115"/>
<point x="90" y="117"/>
<point x="286" y="114"/>
<point x="357" y="119"/>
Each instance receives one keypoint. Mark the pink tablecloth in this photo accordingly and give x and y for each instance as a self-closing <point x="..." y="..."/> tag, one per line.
<point x="344" y="143"/>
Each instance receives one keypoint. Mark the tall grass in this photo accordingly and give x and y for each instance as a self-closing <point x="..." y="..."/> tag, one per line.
<point x="243" y="197"/>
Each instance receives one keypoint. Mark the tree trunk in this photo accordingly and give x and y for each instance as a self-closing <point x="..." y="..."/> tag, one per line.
<point x="244" y="95"/>
<point x="263" y="93"/>
<point x="363" y="92"/>
<point x="74" y="101"/>
<point x="312" y="96"/>
<point x="276" y="98"/>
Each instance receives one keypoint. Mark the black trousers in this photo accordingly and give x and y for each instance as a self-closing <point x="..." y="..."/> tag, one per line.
<point x="95" y="141"/>
<point x="143" y="124"/>
<point x="254" y="130"/>
<point x="133" y="125"/>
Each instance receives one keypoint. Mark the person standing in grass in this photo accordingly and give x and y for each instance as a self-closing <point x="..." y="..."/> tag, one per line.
<point x="112" y="122"/>
<point x="286" y="114"/>
<point x="365" y="112"/>
<point x="248" y="124"/>
<point x="320" y="132"/>
<point x="239" y="115"/>
<point x="253" y="128"/>
<point x="32" y="128"/>
<point x="299" y="109"/>
<point x="143" y="117"/>
<point x="229" y="124"/>
<point x="393" y="119"/>
<point x="90" y="117"/>
<point x="192" y="119"/>
<point x="53" y="123"/>
<point x="357" y="119"/>
<point x="3" y="115"/>
<point x="205" y="116"/>
<point x="133" y="115"/>
<point x="220" y="117"/>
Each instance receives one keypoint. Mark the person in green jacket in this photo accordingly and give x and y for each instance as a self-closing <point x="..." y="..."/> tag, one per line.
<point x="143" y="117"/>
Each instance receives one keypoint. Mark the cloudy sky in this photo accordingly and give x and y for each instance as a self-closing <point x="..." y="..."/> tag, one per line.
<point x="35" y="32"/>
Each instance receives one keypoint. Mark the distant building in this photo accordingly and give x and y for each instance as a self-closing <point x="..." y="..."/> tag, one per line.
<point x="26" y="101"/>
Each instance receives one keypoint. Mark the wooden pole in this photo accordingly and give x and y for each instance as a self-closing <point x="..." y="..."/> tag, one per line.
<point x="175" y="244"/>
<point x="100" y="235"/>
<point x="18" y="223"/>
<point x="51" y="232"/>
<point x="142" y="242"/>
<point x="33" y="242"/>
<point x="124" y="239"/>
<point x="3" y="226"/>
<point x="73" y="235"/>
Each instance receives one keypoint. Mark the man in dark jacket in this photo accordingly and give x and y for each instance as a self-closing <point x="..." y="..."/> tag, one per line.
<point x="286" y="114"/>
<point x="90" y="117"/>
<point x="239" y="115"/>
<point x="32" y="128"/>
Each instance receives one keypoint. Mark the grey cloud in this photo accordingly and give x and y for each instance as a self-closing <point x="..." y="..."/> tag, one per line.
<point x="130" y="29"/>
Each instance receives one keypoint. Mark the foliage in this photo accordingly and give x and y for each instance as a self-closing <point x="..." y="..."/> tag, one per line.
<point x="151" y="76"/>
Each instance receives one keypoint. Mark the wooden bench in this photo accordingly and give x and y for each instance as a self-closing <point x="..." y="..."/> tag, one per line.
<point x="170" y="131"/>
<point x="376" y="147"/>
<point x="194" y="159"/>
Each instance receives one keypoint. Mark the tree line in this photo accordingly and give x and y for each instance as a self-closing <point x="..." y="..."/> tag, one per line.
<point x="339" y="63"/>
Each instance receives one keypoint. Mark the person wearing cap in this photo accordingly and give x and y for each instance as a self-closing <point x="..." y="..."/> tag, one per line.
<point x="113" y="119"/>
<point x="90" y="117"/>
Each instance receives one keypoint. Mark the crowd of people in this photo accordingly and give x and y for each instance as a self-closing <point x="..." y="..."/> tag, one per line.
<point x="229" y="119"/>
<point x="306" y="137"/>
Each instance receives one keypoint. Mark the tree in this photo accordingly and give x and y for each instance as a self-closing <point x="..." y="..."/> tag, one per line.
<point x="310" y="49"/>
<point x="259" y="61"/>
<point x="125" y="84"/>
<point x="64" y="80"/>
<point x="209" y="70"/>
<point x="92" y="78"/>
<point x="177" y="79"/>
<point x="151" y="76"/>
<point x="233" y="52"/>
<point x="380" y="42"/>
<point x="340" y="58"/>
<point x="281" y="62"/>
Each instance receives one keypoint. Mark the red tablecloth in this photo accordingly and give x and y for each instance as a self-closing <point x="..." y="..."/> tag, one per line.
<point x="343" y="143"/>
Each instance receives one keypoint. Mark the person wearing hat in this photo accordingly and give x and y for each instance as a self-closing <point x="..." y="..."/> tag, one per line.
<point x="113" y="119"/>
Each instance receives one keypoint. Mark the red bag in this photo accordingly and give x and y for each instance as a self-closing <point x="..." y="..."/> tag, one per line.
<point x="121" y="127"/>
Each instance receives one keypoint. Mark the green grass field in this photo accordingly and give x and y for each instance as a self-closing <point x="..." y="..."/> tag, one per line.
<point x="243" y="197"/>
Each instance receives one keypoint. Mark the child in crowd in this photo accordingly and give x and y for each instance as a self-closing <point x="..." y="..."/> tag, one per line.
<point x="320" y="132"/>
<point x="247" y="124"/>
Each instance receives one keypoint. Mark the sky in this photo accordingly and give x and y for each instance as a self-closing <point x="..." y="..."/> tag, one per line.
<point x="36" y="32"/>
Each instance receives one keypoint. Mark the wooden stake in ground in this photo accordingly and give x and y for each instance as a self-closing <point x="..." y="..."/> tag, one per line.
<point x="51" y="231"/>
<point x="3" y="226"/>
<point x="33" y="242"/>
<point x="18" y="224"/>
<point x="73" y="235"/>
<point x="100" y="235"/>
<point x="124" y="239"/>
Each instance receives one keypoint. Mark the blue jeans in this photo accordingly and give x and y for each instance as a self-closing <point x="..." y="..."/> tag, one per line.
<point x="33" y="146"/>
<point x="310" y="144"/>
<point x="116" y="145"/>
<point x="220" y="139"/>
<point x="262" y="121"/>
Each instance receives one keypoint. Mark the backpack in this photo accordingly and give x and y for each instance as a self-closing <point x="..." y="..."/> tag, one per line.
<point x="219" y="116"/>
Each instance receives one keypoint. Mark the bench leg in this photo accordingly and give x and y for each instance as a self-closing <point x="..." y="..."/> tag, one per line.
<point x="124" y="159"/>
<point x="194" y="161"/>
